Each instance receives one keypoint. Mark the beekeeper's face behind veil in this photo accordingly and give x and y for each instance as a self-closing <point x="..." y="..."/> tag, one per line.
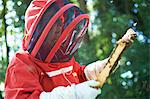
<point x="54" y="30"/>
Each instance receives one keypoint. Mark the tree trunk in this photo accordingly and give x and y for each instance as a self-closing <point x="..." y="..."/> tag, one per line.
<point x="5" y="30"/>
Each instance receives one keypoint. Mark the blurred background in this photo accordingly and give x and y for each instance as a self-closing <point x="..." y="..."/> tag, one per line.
<point x="109" y="21"/>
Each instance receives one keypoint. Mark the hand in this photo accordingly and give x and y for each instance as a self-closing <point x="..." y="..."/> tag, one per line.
<point x="87" y="90"/>
<point x="92" y="70"/>
<point x="83" y="90"/>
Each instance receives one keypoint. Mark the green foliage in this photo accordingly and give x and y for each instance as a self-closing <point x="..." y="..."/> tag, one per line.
<point x="113" y="18"/>
<point x="3" y="67"/>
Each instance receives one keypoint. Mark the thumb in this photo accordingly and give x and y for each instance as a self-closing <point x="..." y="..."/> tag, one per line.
<point x="99" y="65"/>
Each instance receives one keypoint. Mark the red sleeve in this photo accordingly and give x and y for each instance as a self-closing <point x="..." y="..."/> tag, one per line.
<point x="80" y="72"/>
<point x="22" y="82"/>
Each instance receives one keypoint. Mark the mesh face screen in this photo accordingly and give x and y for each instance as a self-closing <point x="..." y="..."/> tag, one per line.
<point x="55" y="32"/>
<point x="49" y="13"/>
<point x="71" y="43"/>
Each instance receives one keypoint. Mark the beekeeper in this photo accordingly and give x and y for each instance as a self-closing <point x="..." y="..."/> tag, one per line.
<point x="45" y="67"/>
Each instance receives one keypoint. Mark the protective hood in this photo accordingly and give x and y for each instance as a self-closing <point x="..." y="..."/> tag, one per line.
<point x="54" y="30"/>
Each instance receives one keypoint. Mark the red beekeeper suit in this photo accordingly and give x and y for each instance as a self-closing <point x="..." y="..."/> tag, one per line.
<point x="28" y="81"/>
<point x="54" y="30"/>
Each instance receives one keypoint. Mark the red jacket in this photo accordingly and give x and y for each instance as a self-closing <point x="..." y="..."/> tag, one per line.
<point x="27" y="77"/>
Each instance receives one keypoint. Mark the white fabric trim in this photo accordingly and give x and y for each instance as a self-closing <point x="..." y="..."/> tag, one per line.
<point x="60" y="71"/>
